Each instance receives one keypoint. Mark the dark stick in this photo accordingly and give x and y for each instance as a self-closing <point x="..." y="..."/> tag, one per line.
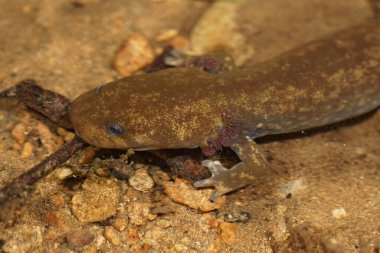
<point x="30" y="177"/>
<point x="51" y="104"/>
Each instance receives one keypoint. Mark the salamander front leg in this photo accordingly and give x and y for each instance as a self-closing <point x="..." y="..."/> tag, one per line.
<point x="252" y="166"/>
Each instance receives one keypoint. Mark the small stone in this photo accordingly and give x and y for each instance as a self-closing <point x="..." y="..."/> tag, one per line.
<point x="17" y="242"/>
<point x="162" y="210"/>
<point x="141" y="180"/>
<point x="163" y="223"/>
<point x="132" y="235"/>
<point x="88" y="155"/>
<point x="166" y="35"/>
<point x="339" y="213"/>
<point x="18" y="133"/>
<point x="97" y="200"/>
<point x="180" y="248"/>
<point x="139" y="213"/>
<point x="112" y="235"/>
<point x="58" y="200"/>
<point x="182" y="192"/>
<point x="119" y="224"/>
<point x="60" y="220"/>
<point x="213" y="224"/>
<point x="227" y="232"/>
<point x="63" y="173"/>
<point x="67" y="135"/>
<point x="79" y="238"/>
<point x="27" y="150"/>
<point x="134" y="54"/>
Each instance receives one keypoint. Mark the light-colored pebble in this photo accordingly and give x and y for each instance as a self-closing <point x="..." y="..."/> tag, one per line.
<point x="134" y="54"/>
<point x="18" y="133"/>
<point x="63" y="173"/>
<point x="111" y="234"/>
<point x="27" y="150"/>
<point x="180" y="248"/>
<point x="339" y="213"/>
<point x="141" y="180"/>
<point x="120" y="224"/>
<point x="163" y="223"/>
<point x="166" y="35"/>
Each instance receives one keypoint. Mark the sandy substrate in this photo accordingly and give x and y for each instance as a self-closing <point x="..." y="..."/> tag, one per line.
<point x="322" y="191"/>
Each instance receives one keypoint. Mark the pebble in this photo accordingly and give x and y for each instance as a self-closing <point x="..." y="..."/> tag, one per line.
<point x="79" y="238"/>
<point x="27" y="150"/>
<point x="111" y="234"/>
<point x="18" y="133"/>
<point x="134" y="54"/>
<point x="88" y="155"/>
<point x="66" y="135"/>
<point x="97" y="200"/>
<point x="166" y="35"/>
<point x="180" y="248"/>
<point x="163" y="223"/>
<point x="58" y="199"/>
<point x="182" y="192"/>
<point x="227" y="232"/>
<point x="119" y="224"/>
<point x="63" y="173"/>
<point x="339" y="213"/>
<point x="141" y="180"/>
<point x="139" y="213"/>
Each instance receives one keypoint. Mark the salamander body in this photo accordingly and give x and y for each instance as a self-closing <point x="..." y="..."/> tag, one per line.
<point x="320" y="83"/>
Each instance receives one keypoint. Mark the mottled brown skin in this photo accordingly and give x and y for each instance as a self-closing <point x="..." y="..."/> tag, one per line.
<point x="317" y="84"/>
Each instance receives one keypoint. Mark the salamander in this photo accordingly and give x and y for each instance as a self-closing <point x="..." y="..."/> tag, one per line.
<point x="319" y="83"/>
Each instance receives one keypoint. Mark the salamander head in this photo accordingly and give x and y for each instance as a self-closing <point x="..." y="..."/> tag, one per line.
<point x="139" y="113"/>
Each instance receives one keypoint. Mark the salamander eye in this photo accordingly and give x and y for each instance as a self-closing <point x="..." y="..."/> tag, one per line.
<point x="114" y="129"/>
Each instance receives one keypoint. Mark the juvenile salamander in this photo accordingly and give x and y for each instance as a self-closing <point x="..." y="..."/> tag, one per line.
<point x="320" y="83"/>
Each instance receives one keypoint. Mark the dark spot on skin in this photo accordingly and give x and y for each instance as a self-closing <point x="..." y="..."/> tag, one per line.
<point x="114" y="129"/>
<point x="99" y="88"/>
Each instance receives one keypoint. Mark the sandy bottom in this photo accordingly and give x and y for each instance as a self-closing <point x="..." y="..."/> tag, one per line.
<point x="321" y="193"/>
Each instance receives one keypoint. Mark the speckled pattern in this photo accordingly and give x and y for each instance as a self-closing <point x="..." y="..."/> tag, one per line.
<point x="320" y="83"/>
